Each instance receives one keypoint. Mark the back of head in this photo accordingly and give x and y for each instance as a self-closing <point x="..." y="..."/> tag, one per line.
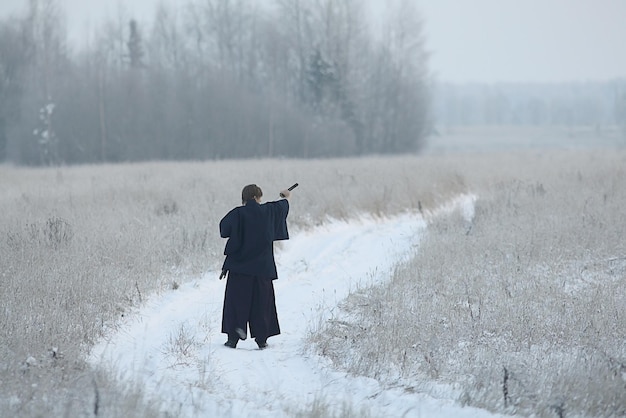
<point x="251" y="192"/>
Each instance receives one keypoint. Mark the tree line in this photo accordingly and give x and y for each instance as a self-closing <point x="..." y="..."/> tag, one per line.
<point x="214" y="79"/>
<point x="590" y="103"/>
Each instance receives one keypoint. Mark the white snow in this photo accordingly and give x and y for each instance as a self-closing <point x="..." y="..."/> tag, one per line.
<point x="173" y="349"/>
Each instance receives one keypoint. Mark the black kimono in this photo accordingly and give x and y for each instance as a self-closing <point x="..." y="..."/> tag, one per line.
<point x="249" y="298"/>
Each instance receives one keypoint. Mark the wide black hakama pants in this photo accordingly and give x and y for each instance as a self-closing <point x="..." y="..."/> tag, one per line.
<point x="250" y="300"/>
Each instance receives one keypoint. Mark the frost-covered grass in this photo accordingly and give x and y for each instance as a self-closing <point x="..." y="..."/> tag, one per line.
<point x="80" y="246"/>
<point x="523" y="309"/>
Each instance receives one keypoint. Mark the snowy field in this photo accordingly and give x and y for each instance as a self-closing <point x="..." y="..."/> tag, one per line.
<point x="511" y="303"/>
<point x="481" y="139"/>
<point x="172" y="347"/>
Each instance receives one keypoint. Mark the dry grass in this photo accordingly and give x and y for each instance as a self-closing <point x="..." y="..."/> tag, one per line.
<point x="525" y="311"/>
<point x="81" y="245"/>
<point x="536" y="288"/>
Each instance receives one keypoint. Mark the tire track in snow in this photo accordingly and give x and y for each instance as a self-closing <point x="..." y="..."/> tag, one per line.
<point x="172" y="347"/>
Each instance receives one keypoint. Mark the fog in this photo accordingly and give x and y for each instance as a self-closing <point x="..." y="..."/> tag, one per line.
<point x="166" y="79"/>
<point x="526" y="41"/>
<point x="483" y="41"/>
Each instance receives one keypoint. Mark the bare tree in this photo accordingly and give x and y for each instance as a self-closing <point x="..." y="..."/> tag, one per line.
<point x="295" y="27"/>
<point x="47" y="42"/>
<point x="225" y="79"/>
<point x="230" y="26"/>
<point x="167" y="41"/>
<point x="14" y="59"/>
<point x="101" y="65"/>
<point x="401" y="100"/>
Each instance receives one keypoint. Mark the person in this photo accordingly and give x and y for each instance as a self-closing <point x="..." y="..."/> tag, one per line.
<point x="249" y="298"/>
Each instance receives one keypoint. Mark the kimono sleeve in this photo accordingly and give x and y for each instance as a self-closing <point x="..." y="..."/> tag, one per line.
<point x="280" y="212"/>
<point x="230" y="228"/>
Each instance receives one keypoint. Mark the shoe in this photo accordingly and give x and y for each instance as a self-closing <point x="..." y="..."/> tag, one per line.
<point x="262" y="344"/>
<point x="241" y="333"/>
<point x="231" y="343"/>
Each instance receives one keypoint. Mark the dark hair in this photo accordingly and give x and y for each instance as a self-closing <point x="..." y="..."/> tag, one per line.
<point x="250" y="192"/>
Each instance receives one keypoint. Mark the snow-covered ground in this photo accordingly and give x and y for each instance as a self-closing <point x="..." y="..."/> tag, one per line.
<point x="173" y="349"/>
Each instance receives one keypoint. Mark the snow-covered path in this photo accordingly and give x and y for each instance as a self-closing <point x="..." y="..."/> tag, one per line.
<point x="173" y="348"/>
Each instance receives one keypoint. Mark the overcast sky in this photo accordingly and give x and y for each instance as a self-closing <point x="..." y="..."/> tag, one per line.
<point x="470" y="40"/>
<point x="526" y="40"/>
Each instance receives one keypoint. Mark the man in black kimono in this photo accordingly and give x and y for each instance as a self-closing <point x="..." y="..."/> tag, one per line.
<point x="249" y="299"/>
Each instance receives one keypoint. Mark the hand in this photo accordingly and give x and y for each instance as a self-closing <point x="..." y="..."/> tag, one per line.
<point x="224" y="273"/>
<point x="285" y="194"/>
